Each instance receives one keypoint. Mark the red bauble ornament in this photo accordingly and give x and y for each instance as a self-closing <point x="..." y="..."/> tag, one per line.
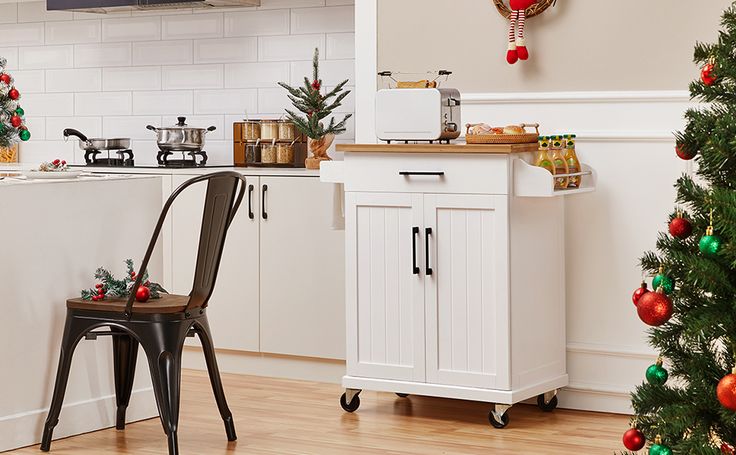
<point x="5" y="78"/>
<point x="684" y="153"/>
<point x="640" y="291"/>
<point x="142" y="294"/>
<point x="726" y="391"/>
<point x="13" y="93"/>
<point x="16" y="121"/>
<point x="316" y="85"/>
<point x="680" y="227"/>
<point x="654" y="308"/>
<point x="634" y="439"/>
<point x="707" y="75"/>
<point x="727" y="449"/>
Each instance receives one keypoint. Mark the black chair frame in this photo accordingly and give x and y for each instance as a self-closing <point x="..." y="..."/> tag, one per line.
<point x="161" y="335"/>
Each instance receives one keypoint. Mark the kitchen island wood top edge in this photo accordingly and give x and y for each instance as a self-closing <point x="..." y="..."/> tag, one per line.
<point x="497" y="149"/>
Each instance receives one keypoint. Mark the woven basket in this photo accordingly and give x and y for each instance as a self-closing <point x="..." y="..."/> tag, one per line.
<point x="527" y="138"/>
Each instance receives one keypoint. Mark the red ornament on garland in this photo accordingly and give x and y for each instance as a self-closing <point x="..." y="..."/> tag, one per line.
<point x="726" y="391"/>
<point x="680" y="227"/>
<point x="316" y="85"/>
<point x="16" y="121"/>
<point x="684" y="153"/>
<point x="634" y="439"/>
<point x="5" y="78"/>
<point x="655" y="308"/>
<point x="707" y="75"/>
<point x="727" y="449"/>
<point x="13" y="94"/>
<point x="142" y="294"/>
<point x="640" y="291"/>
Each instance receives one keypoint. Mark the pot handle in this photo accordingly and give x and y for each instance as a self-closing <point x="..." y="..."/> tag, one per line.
<point x="212" y="128"/>
<point x="72" y="132"/>
<point x="152" y="128"/>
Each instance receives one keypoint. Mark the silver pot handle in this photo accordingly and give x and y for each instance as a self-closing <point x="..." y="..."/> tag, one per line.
<point x="152" y="128"/>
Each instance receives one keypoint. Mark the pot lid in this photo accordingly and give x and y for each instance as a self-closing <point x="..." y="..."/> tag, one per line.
<point x="181" y="124"/>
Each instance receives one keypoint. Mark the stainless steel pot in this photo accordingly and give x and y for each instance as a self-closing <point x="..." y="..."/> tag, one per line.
<point x="87" y="144"/>
<point x="180" y="137"/>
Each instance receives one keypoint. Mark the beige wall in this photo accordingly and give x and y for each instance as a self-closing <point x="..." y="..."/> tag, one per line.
<point x="577" y="45"/>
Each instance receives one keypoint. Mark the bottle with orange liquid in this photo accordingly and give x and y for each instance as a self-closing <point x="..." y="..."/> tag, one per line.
<point x="543" y="159"/>
<point x="573" y="163"/>
<point x="558" y="160"/>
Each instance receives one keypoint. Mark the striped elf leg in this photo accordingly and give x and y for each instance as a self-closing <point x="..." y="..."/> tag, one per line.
<point x="520" y="41"/>
<point x="512" y="56"/>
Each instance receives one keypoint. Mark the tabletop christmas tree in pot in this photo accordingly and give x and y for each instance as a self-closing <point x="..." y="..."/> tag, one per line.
<point x="12" y="122"/>
<point x="316" y="107"/>
<point x="687" y="402"/>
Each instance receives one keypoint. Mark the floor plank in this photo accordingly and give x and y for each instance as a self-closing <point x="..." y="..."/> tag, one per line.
<point x="284" y="417"/>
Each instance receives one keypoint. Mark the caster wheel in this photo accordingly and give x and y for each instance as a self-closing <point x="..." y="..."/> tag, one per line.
<point x="547" y="407"/>
<point x="402" y="395"/>
<point x="352" y="406"/>
<point x="496" y="424"/>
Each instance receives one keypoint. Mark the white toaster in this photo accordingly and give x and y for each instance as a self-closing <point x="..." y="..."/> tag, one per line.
<point x="418" y="114"/>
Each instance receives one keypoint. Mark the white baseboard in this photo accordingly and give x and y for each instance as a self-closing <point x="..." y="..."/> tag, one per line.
<point x="24" y="429"/>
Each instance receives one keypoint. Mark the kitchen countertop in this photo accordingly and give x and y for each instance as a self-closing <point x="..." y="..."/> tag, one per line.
<point x="255" y="171"/>
<point x="460" y="147"/>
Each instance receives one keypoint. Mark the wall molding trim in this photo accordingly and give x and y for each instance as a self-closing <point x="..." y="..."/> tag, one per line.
<point x="610" y="351"/>
<point x="644" y="96"/>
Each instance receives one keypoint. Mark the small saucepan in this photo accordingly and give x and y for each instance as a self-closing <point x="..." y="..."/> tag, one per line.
<point x="87" y="144"/>
<point x="180" y="137"/>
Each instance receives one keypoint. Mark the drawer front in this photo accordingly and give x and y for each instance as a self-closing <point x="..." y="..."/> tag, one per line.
<point x="427" y="173"/>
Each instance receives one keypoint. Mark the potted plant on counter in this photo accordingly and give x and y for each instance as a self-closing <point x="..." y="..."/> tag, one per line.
<point x="316" y="107"/>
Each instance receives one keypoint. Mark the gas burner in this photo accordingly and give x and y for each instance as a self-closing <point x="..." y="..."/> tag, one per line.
<point x="124" y="158"/>
<point x="188" y="159"/>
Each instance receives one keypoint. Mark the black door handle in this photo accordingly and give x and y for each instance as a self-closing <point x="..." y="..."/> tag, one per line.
<point x="263" y="202"/>
<point x="427" y="233"/>
<point x="414" y="234"/>
<point x="250" y="202"/>
<point x="409" y="173"/>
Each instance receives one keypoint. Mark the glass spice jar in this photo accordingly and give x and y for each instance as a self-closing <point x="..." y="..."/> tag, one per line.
<point x="251" y="153"/>
<point x="285" y="154"/>
<point x="251" y="130"/>
<point x="287" y="131"/>
<point x="268" y="153"/>
<point x="269" y="130"/>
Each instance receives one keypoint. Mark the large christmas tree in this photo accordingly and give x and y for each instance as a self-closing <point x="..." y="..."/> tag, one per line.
<point x="687" y="403"/>
<point x="12" y="123"/>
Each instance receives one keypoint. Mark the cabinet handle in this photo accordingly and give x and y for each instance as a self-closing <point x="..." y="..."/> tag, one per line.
<point x="250" y="202"/>
<point x="427" y="233"/>
<point x="263" y="202"/>
<point x="414" y="234"/>
<point x="410" y="173"/>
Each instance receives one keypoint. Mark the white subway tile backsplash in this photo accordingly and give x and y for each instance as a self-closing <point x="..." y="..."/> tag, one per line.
<point x="286" y="48"/>
<point x="22" y="34"/>
<point x="74" y="80"/>
<point x="332" y="72"/>
<point x="37" y="127"/>
<point x="340" y="2"/>
<point x="281" y="4"/>
<point x="132" y="29"/>
<point x="257" y="23"/>
<point x="48" y="104"/>
<point x="192" y="76"/>
<point x="102" y="103"/>
<point x="256" y="75"/>
<point x="101" y="55"/>
<point x="11" y="55"/>
<point x="175" y="102"/>
<point x="30" y="81"/>
<point x="8" y="13"/>
<point x="43" y="57"/>
<point x="226" y="50"/>
<point x="229" y="101"/>
<point x="273" y="100"/>
<point x="81" y="16"/>
<point x="131" y="78"/>
<point x="162" y="53"/>
<point x="76" y="32"/>
<point x="321" y="20"/>
<point x="201" y="121"/>
<point x="37" y="152"/>
<point x="229" y="120"/>
<point x="132" y="126"/>
<point x="36" y="12"/>
<point x="340" y="46"/>
<point x="192" y="26"/>
<point x="89" y="126"/>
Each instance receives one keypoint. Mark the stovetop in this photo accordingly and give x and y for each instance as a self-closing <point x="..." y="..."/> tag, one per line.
<point x="164" y="160"/>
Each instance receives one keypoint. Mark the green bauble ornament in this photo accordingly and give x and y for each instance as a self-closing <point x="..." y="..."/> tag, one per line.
<point x="24" y="135"/>
<point x="20" y="111"/>
<point x="667" y="283"/>
<point x="710" y="244"/>
<point x="658" y="448"/>
<point x="656" y="374"/>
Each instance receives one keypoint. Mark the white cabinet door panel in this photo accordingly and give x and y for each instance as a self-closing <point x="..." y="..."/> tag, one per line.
<point x="466" y="296"/>
<point x="385" y="307"/>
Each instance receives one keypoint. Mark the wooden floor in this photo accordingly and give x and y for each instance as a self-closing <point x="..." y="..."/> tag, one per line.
<point x="276" y="416"/>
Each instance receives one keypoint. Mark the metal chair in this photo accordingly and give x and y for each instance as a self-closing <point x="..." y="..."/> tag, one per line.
<point x="159" y="325"/>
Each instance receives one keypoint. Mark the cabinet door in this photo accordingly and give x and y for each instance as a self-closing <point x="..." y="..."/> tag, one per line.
<point x="467" y="294"/>
<point x="302" y="269"/>
<point x="233" y="307"/>
<point x="385" y="294"/>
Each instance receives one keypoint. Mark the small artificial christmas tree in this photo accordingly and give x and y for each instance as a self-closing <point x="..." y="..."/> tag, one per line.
<point x="687" y="404"/>
<point x="316" y="107"/>
<point x="12" y="123"/>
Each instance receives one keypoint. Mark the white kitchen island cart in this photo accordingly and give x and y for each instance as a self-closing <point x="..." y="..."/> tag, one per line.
<point x="455" y="273"/>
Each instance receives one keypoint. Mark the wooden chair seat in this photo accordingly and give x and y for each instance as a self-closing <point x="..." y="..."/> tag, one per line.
<point x="168" y="303"/>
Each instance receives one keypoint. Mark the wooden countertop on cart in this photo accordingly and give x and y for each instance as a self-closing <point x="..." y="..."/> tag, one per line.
<point x="460" y="147"/>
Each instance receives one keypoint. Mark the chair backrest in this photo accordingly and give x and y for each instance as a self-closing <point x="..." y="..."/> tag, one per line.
<point x="225" y="191"/>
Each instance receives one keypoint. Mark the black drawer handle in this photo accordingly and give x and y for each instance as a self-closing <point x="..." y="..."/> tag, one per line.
<point x="410" y="173"/>
<point x="427" y="233"/>
<point x="250" y="202"/>
<point x="414" y="234"/>
<point x="263" y="202"/>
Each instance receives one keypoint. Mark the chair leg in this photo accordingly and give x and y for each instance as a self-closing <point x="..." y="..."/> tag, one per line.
<point x="203" y="330"/>
<point x="73" y="331"/>
<point x="125" y="355"/>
